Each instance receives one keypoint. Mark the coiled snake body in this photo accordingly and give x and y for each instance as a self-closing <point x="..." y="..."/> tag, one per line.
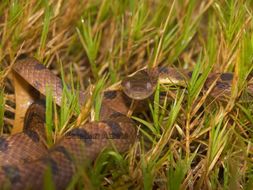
<point x="24" y="158"/>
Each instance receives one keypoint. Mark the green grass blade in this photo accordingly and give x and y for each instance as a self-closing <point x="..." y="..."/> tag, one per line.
<point x="97" y="97"/>
<point x="49" y="115"/>
<point x="45" y="30"/>
<point x="91" y="44"/>
<point x="178" y="170"/>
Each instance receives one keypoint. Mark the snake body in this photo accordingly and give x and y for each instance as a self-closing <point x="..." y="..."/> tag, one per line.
<point x="24" y="158"/>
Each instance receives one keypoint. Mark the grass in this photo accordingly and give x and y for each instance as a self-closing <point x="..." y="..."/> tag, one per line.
<point x="187" y="141"/>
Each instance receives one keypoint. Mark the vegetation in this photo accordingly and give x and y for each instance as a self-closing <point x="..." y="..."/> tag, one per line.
<point x="185" y="142"/>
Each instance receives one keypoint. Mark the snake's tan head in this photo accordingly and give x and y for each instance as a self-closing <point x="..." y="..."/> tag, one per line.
<point x="141" y="85"/>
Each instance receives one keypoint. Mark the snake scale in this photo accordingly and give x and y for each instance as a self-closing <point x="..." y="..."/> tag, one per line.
<point x="24" y="158"/>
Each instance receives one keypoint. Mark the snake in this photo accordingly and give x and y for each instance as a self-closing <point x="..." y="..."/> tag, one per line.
<point x="24" y="157"/>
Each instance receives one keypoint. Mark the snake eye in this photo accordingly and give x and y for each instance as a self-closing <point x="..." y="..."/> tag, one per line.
<point x="148" y="86"/>
<point x="128" y="85"/>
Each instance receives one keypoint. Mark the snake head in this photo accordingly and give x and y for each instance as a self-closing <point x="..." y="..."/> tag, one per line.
<point x="141" y="85"/>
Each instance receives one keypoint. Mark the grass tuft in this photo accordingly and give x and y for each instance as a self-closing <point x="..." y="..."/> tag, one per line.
<point x="188" y="140"/>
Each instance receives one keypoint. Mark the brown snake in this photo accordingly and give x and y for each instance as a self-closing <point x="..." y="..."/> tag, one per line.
<point x="24" y="158"/>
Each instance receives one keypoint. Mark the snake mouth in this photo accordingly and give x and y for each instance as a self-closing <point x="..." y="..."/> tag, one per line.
<point x="138" y="94"/>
